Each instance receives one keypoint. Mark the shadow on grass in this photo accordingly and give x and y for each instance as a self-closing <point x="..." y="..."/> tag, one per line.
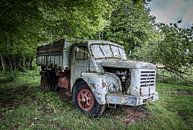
<point x="11" y="98"/>
<point x="128" y="114"/>
<point x="14" y="97"/>
<point x="6" y="79"/>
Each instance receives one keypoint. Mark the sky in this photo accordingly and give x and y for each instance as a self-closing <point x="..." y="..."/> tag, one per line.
<point x="170" y="11"/>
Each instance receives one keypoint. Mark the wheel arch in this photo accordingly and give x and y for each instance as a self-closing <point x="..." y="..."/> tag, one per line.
<point x="100" y="98"/>
<point x="78" y="80"/>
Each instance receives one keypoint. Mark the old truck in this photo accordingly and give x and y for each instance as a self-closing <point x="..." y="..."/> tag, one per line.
<point x="96" y="74"/>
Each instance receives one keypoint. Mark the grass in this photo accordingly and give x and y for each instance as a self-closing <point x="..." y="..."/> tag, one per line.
<point x="24" y="106"/>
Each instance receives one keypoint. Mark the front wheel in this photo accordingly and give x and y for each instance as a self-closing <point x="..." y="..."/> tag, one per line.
<point x="84" y="100"/>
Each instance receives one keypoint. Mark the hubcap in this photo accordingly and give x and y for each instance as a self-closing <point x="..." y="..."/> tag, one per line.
<point x="85" y="99"/>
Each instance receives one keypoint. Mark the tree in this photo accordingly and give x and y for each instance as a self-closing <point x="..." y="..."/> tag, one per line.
<point x="175" y="51"/>
<point x="25" y="24"/>
<point x="130" y="25"/>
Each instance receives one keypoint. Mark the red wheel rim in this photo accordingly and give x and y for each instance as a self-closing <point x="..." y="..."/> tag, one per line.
<point x="85" y="99"/>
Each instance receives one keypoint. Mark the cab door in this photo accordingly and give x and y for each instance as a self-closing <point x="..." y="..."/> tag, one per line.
<point x="79" y="62"/>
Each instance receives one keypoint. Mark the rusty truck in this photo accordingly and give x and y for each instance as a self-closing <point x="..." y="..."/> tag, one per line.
<point x="96" y="74"/>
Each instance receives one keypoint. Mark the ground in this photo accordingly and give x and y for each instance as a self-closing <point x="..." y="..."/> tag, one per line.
<point x="24" y="106"/>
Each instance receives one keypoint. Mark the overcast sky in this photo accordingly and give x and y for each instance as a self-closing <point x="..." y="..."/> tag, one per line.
<point x="168" y="11"/>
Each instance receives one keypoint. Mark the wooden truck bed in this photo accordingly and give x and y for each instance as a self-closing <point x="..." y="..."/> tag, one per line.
<point x="55" y="54"/>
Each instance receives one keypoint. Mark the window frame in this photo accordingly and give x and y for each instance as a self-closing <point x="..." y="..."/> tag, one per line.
<point x="82" y="49"/>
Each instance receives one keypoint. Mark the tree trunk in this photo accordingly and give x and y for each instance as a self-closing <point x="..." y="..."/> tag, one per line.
<point x="8" y="48"/>
<point x="31" y="61"/>
<point x="26" y="62"/>
<point x="22" y="62"/>
<point x="9" y="63"/>
<point x="14" y="63"/>
<point x="2" y="63"/>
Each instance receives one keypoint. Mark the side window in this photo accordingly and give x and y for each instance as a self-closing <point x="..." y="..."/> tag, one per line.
<point x="82" y="54"/>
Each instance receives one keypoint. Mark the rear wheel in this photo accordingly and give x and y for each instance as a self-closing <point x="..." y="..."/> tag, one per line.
<point x="44" y="83"/>
<point x="84" y="100"/>
<point x="49" y="81"/>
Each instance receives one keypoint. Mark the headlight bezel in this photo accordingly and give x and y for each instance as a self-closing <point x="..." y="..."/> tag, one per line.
<point x="112" y="88"/>
<point x="111" y="84"/>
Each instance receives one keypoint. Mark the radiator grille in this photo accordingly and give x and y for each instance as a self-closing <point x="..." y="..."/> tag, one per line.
<point x="147" y="78"/>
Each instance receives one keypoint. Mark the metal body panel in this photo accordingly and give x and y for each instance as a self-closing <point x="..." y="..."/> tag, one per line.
<point x="106" y="86"/>
<point x="55" y="54"/>
<point x="99" y="84"/>
<point x="127" y="64"/>
<point x="129" y="100"/>
<point x="77" y="67"/>
<point x="135" y="83"/>
<point x="135" y="96"/>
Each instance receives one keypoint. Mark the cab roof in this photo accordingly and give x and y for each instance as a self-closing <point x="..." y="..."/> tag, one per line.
<point x="90" y="42"/>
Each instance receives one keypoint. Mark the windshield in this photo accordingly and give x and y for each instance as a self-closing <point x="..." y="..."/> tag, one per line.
<point x="107" y="51"/>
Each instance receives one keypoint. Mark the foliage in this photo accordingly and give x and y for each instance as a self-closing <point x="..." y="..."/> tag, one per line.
<point x="24" y="106"/>
<point x="25" y="24"/>
<point x="130" y="25"/>
<point x="173" y="49"/>
<point x="166" y="76"/>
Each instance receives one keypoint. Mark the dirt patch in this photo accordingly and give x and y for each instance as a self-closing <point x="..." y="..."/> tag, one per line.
<point x="133" y="114"/>
<point x="183" y="92"/>
<point x="10" y="98"/>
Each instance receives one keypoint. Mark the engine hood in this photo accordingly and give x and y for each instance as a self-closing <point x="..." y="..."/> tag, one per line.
<point x="126" y="64"/>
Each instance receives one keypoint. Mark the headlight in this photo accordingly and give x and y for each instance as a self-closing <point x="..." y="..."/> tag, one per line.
<point x="112" y="88"/>
<point x="109" y="85"/>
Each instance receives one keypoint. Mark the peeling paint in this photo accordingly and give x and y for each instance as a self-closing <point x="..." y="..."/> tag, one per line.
<point x="125" y="82"/>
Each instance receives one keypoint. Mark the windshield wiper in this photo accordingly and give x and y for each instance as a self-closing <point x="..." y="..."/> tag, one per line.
<point x="102" y="51"/>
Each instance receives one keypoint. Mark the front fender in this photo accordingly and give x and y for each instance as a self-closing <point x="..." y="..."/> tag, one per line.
<point x="98" y="84"/>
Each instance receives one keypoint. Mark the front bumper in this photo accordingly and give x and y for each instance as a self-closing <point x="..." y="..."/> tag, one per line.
<point x="123" y="99"/>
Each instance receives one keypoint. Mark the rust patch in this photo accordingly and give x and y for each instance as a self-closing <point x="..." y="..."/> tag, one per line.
<point x="63" y="82"/>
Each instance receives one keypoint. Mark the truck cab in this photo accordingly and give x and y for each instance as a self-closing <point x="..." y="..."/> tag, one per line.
<point x="97" y="74"/>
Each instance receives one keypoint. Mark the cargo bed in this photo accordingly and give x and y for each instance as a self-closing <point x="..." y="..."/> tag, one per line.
<point x="55" y="54"/>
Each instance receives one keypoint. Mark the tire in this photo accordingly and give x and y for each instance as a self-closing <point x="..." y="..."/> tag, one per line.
<point x="44" y="83"/>
<point x="57" y="88"/>
<point x="84" y="100"/>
